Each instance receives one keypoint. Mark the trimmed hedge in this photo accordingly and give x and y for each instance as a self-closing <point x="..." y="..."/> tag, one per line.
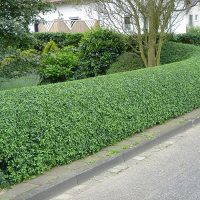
<point x="61" y="39"/>
<point x="42" y="127"/>
<point x="175" y="52"/>
<point x="127" y="61"/>
<point x="187" y="38"/>
<point x="171" y="52"/>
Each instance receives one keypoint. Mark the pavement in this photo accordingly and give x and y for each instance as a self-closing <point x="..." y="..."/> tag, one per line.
<point x="168" y="171"/>
<point x="56" y="183"/>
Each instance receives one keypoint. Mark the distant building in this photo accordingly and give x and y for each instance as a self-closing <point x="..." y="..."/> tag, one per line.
<point x="70" y="17"/>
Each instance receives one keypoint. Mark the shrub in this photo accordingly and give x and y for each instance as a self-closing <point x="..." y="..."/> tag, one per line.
<point x="46" y="126"/>
<point x="19" y="64"/>
<point x="61" y="39"/>
<point x="50" y="47"/>
<point x="193" y="30"/>
<point x="171" y="52"/>
<point x="174" y="52"/>
<point x="58" y="65"/>
<point x="187" y="38"/>
<point x="99" y="48"/>
<point x="130" y="42"/>
<point x="26" y="41"/>
<point x="23" y="41"/>
<point x="126" y="62"/>
<point x="6" y="52"/>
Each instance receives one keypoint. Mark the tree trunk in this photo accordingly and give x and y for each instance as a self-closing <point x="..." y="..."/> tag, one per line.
<point x="152" y="54"/>
<point x="151" y="51"/>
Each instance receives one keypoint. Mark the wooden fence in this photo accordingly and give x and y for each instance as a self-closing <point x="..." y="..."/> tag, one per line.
<point x="68" y="26"/>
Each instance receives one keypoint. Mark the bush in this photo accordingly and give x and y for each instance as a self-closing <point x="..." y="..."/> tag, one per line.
<point x="50" y="47"/>
<point x="128" y="61"/>
<point x="46" y="126"/>
<point x="99" y="48"/>
<point x="26" y="41"/>
<point x="58" y="65"/>
<point x="187" y="38"/>
<point x="6" y="52"/>
<point x="174" y="52"/>
<point x="61" y="39"/>
<point x="193" y="30"/>
<point x="171" y="52"/>
<point x="23" y="41"/>
<point x="19" y="64"/>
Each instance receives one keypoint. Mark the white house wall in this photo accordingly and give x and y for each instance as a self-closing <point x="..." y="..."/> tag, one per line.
<point x="180" y="24"/>
<point x="86" y="12"/>
<point x="195" y="11"/>
<point x="66" y="12"/>
<point x="69" y="11"/>
<point x="182" y="21"/>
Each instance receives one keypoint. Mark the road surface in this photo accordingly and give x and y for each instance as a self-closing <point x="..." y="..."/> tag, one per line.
<point x="169" y="171"/>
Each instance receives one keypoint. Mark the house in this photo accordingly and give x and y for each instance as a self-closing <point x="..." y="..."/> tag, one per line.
<point x="70" y="17"/>
<point x="188" y="19"/>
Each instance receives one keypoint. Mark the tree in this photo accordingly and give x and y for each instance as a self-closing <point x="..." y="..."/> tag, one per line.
<point x="16" y="15"/>
<point x="150" y="20"/>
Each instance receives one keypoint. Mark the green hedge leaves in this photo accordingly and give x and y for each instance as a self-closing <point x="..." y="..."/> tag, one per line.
<point x="46" y="126"/>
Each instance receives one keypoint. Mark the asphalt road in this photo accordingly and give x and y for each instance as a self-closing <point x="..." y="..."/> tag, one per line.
<point x="170" y="171"/>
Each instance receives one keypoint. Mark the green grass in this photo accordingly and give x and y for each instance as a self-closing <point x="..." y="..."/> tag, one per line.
<point x="24" y="81"/>
<point x="113" y="152"/>
<point x="46" y="126"/>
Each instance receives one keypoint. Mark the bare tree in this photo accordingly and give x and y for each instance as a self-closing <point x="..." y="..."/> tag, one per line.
<point x="149" y="21"/>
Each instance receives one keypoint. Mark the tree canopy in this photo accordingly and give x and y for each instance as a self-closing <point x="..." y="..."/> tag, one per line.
<point x="16" y="15"/>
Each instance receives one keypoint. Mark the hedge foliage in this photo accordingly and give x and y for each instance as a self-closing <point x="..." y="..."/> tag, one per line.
<point x="127" y="61"/>
<point x="175" y="52"/>
<point x="58" y="65"/>
<point x="19" y="64"/>
<point x="61" y="39"/>
<point x="187" y="38"/>
<point x="45" y="126"/>
<point x="98" y="49"/>
<point x="171" y="52"/>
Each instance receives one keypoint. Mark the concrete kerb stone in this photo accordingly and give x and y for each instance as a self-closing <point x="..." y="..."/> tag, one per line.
<point x="60" y="185"/>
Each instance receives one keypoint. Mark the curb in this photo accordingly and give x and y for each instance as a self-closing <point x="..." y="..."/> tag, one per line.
<point x="49" y="191"/>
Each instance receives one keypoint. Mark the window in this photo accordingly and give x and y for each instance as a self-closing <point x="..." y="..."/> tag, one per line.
<point x="127" y="22"/>
<point x="196" y="17"/>
<point x="190" y="20"/>
<point x="36" y="27"/>
<point x="73" y="20"/>
<point x="146" y="24"/>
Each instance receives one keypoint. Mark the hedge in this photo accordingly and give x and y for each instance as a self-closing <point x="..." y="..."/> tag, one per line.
<point x="61" y="39"/>
<point x="46" y="126"/>
<point x="127" y="61"/>
<point x="187" y="38"/>
<point x="174" y="52"/>
<point x="171" y="52"/>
